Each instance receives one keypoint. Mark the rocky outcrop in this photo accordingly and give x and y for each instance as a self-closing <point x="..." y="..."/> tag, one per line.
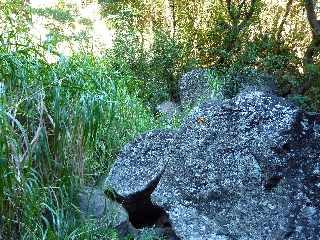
<point x="245" y="168"/>
<point x="204" y="84"/>
<point x="194" y="85"/>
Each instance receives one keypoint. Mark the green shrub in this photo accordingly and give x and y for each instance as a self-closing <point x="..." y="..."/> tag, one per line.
<point x="62" y="125"/>
<point x="156" y="68"/>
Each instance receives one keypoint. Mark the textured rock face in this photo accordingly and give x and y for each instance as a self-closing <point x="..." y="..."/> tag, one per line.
<point x="94" y="205"/>
<point x="194" y="85"/>
<point x="168" y="109"/>
<point x="142" y="163"/>
<point x="245" y="168"/>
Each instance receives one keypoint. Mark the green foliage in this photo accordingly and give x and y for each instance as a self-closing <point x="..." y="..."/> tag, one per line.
<point x="61" y="126"/>
<point x="215" y="82"/>
<point x="61" y="15"/>
<point x="229" y="35"/>
<point x="159" y="46"/>
<point x="156" y="68"/>
<point x="70" y="118"/>
<point x="15" y="20"/>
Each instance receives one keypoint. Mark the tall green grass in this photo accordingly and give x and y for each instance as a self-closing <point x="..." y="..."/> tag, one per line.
<point x="61" y="126"/>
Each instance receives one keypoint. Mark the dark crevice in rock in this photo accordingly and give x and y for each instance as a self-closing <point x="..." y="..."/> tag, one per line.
<point x="143" y="213"/>
<point x="283" y="150"/>
<point x="313" y="117"/>
<point x="312" y="182"/>
<point x="291" y="221"/>
<point x="272" y="182"/>
<point x="288" y="234"/>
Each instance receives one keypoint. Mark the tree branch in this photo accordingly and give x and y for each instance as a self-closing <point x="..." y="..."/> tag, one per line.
<point x="312" y="50"/>
<point x="249" y="14"/>
<point x="286" y="14"/>
<point x="312" y="17"/>
<point x="229" y="10"/>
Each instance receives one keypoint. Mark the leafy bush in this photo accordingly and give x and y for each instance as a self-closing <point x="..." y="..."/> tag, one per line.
<point x="61" y="126"/>
<point x="61" y="123"/>
<point x="155" y="67"/>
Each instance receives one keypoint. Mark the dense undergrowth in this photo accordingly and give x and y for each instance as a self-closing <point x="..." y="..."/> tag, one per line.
<point x="267" y="36"/>
<point x="61" y="126"/>
<point x="63" y="123"/>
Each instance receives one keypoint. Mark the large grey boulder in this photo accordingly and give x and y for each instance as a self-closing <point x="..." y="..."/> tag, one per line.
<point x="245" y="168"/>
<point x="199" y="85"/>
<point x="194" y="85"/>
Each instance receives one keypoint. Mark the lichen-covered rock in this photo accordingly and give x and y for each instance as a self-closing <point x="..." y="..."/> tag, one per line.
<point x="194" y="85"/>
<point x="94" y="204"/>
<point x="138" y="171"/>
<point x="245" y="168"/>
<point x="169" y="109"/>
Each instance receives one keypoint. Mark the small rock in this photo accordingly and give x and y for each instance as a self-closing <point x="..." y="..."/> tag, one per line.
<point x="95" y="205"/>
<point x="169" y="109"/>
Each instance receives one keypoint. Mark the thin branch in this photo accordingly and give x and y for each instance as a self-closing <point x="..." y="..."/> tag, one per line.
<point x="229" y="10"/>
<point x="312" y="49"/>
<point x="286" y="14"/>
<point x="249" y="14"/>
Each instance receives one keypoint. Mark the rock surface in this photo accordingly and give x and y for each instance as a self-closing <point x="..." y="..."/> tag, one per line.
<point x="169" y="109"/>
<point x="245" y="168"/>
<point x="95" y="205"/>
<point x="194" y="85"/>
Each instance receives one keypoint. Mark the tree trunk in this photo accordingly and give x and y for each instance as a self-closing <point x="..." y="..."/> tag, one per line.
<point x="286" y="14"/>
<point x="308" y="60"/>
<point x="174" y="21"/>
<point x="312" y="50"/>
<point x="239" y="20"/>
